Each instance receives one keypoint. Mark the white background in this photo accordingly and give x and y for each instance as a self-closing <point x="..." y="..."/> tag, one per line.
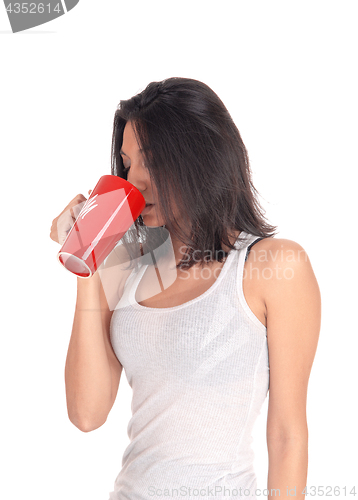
<point x="287" y="71"/>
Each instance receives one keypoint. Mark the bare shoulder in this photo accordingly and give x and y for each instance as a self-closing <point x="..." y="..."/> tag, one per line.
<point x="272" y="250"/>
<point x="283" y="273"/>
<point x="279" y="258"/>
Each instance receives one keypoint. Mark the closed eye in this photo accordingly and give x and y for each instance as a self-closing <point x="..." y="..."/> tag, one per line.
<point x="125" y="168"/>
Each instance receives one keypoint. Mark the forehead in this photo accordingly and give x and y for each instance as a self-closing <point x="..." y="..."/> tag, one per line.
<point x="131" y="146"/>
<point x="129" y="138"/>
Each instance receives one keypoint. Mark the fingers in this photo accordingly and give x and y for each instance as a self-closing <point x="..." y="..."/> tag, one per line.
<point x="66" y="221"/>
<point x="63" y="223"/>
<point x="76" y="209"/>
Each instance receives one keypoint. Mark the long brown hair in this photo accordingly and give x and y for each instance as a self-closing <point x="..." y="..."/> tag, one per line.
<point x="195" y="155"/>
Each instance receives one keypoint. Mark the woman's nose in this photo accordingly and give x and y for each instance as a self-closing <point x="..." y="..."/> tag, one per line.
<point x="138" y="181"/>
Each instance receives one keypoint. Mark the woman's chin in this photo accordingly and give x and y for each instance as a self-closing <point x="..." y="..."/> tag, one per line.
<point x="152" y="223"/>
<point x="151" y="220"/>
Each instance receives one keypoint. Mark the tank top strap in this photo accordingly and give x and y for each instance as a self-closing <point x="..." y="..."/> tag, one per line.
<point x="244" y="240"/>
<point x="244" y="247"/>
<point x="251" y="245"/>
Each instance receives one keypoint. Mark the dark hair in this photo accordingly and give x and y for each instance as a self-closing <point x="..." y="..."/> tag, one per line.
<point x="195" y="156"/>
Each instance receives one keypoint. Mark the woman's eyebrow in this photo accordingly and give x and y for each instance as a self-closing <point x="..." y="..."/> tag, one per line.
<point x="121" y="152"/>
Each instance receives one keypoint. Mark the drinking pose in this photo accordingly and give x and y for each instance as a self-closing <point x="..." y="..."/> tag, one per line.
<point x="205" y="335"/>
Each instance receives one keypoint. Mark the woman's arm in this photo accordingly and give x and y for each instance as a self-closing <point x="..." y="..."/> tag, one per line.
<point x="293" y="311"/>
<point x="92" y="371"/>
<point x="91" y="376"/>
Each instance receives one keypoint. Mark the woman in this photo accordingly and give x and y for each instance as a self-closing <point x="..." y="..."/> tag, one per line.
<point x="200" y="351"/>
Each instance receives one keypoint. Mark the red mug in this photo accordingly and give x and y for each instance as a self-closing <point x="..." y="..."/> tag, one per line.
<point x="111" y="209"/>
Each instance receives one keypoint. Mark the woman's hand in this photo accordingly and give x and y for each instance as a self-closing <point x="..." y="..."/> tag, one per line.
<point x="62" y="224"/>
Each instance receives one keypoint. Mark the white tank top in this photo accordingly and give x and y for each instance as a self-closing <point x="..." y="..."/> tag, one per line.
<point x="199" y="374"/>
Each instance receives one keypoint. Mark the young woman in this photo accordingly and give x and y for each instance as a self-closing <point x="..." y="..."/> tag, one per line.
<point x="200" y="351"/>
